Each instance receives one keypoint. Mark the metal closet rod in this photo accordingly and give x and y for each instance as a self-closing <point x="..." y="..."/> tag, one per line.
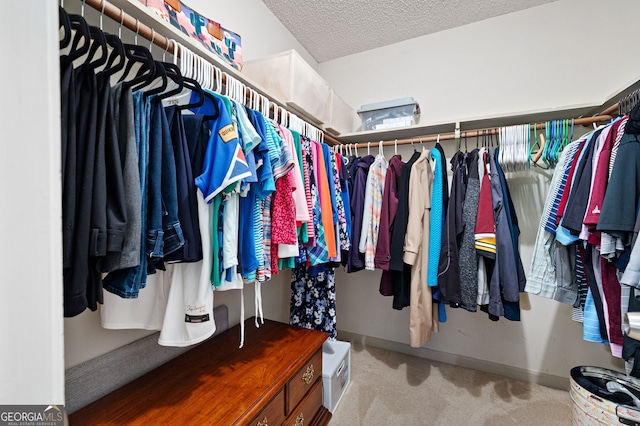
<point x="134" y="24"/>
<point x="478" y="133"/>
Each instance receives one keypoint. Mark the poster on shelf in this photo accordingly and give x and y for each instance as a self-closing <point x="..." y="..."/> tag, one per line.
<point x="214" y="37"/>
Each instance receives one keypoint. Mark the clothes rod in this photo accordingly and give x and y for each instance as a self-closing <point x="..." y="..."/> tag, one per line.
<point x="474" y="133"/>
<point x="134" y="24"/>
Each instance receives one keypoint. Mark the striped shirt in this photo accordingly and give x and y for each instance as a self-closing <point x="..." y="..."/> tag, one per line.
<point x="372" y="208"/>
<point x="542" y="274"/>
<point x="616" y="144"/>
<point x="307" y="188"/>
<point x="550" y="224"/>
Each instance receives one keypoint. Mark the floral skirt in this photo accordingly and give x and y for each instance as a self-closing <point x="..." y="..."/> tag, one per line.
<point x="313" y="300"/>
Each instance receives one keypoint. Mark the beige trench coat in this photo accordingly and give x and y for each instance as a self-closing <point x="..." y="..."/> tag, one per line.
<point x="416" y="252"/>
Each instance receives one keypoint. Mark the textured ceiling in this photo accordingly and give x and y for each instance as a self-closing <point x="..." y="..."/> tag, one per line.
<point x="330" y="29"/>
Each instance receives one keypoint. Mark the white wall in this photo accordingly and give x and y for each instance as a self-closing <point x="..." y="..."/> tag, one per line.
<point x="31" y="359"/>
<point x="262" y="34"/>
<point x="552" y="57"/>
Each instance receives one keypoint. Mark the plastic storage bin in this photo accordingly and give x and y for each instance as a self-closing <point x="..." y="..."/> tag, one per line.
<point x="336" y="372"/>
<point x="340" y="116"/>
<point x="389" y="114"/>
<point x="292" y="81"/>
<point x="594" y="404"/>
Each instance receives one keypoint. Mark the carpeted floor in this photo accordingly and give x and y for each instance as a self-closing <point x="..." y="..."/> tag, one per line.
<point x="390" y="388"/>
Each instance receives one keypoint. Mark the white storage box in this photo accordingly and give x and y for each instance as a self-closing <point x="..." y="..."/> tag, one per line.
<point x="336" y="372"/>
<point x="340" y="116"/>
<point x="389" y="114"/>
<point x="292" y="81"/>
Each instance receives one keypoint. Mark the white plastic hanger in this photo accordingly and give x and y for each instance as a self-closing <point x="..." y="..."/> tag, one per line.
<point x="164" y="54"/>
<point x="380" y="149"/>
<point x="153" y="38"/>
<point x="121" y="23"/>
<point x="104" y="2"/>
<point x="501" y="142"/>
<point x="395" y="147"/>
<point x="135" y="39"/>
<point x="368" y="148"/>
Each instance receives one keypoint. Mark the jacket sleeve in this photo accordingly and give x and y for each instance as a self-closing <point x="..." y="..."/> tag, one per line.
<point x="417" y="206"/>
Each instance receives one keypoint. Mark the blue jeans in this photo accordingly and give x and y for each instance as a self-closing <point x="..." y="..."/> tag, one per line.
<point x="164" y="234"/>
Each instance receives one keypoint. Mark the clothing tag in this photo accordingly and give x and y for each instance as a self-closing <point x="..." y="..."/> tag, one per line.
<point x="196" y="318"/>
<point x="228" y="133"/>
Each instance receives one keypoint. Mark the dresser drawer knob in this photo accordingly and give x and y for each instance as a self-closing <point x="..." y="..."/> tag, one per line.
<point x="264" y="422"/>
<point x="307" y="377"/>
<point x="300" y="420"/>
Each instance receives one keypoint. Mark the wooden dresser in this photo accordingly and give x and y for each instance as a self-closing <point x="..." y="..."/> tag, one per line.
<point x="276" y="379"/>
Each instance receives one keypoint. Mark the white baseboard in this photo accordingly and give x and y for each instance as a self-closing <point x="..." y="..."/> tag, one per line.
<point x="552" y="381"/>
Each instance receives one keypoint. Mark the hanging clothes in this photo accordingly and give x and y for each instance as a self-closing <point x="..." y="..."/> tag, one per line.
<point x="467" y="254"/>
<point x="356" y="260"/>
<point x="387" y="219"/>
<point x="400" y="272"/>
<point x="374" y="190"/>
<point x="449" y="269"/>
<point x="416" y="252"/>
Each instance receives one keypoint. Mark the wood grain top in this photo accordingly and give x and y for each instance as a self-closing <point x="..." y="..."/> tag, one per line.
<point x="216" y="383"/>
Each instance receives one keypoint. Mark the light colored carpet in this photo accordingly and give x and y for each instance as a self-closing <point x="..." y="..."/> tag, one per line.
<point x="390" y="388"/>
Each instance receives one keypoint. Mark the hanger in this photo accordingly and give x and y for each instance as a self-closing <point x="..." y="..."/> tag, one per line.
<point x="138" y="55"/>
<point x="380" y="149"/>
<point x="117" y="54"/>
<point x="368" y="148"/>
<point x="545" y="147"/>
<point x="82" y="34"/>
<point x="65" y="24"/>
<point x="557" y="141"/>
<point x="395" y="147"/>
<point x="159" y="73"/>
<point x="504" y="147"/>
<point x="356" y="149"/>
<point x="173" y="74"/>
<point x="98" y="43"/>
<point x="194" y="87"/>
<point x="526" y="152"/>
<point x="538" y="142"/>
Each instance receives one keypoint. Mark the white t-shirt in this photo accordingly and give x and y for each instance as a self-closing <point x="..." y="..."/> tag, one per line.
<point x="178" y="301"/>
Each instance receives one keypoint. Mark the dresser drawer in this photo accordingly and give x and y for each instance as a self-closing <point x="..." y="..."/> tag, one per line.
<point x="272" y="414"/>
<point x="303" y="414"/>
<point x="303" y="380"/>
